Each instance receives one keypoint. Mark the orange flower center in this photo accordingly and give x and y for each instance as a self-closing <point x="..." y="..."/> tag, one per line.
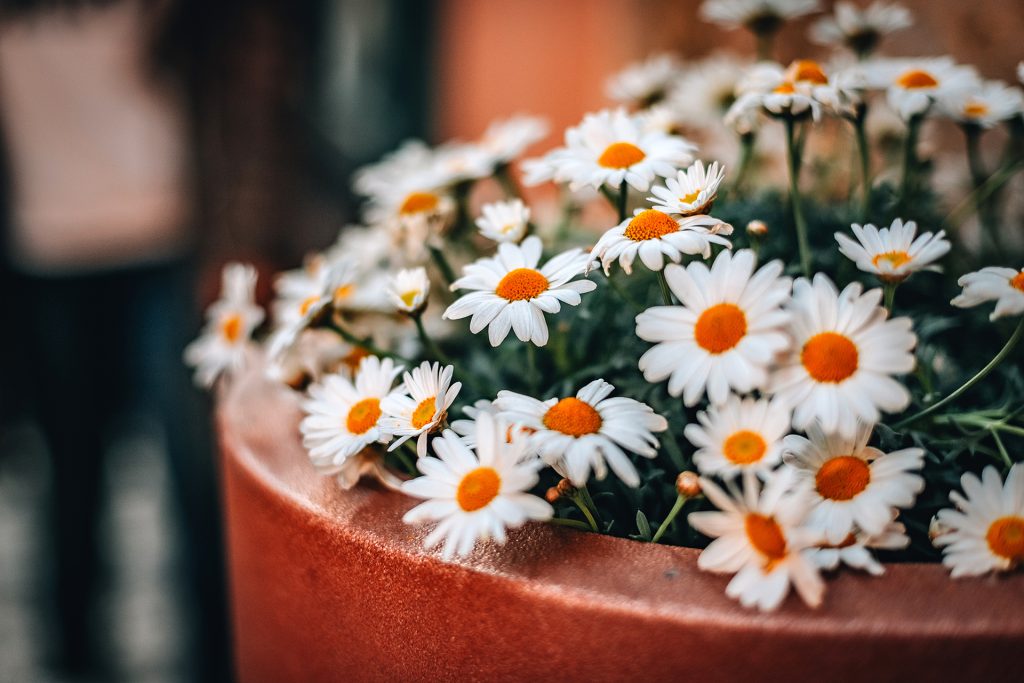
<point x="650" y="225"/>
<point x="744" y="447"/>
<point x="231" y="328"/>
<point x="418" y="202"/>
<point x="785" y="88"/>
<point x="916" y="79"/>
<point x="1017" y="281"/>
<point x="424" y="412"/>
<point x="975" y="109"/>
<point x="808" y="71"/>
<point x="409" y="298"/>
<point x="690" y="198"/>
<point x="363" y="415"/>
<point x="895" y="259"/>
<point x="830" y="357"/>
<point x="353" y="358"/>
<point x="766" y="536"/>
<point x="344" y="292"/>
<point x="521" y="284"/>
<point x="1006" y="538"/>
<point x="308" y="303"/>
<point x="720" y="328"/>
<point x="478" y="488"/>
<point x="842" y="477"/>
<point x="621" y="155"/>
<point x="573" y="417"/>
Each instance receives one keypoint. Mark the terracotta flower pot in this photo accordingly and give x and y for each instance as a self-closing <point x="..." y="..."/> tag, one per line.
<point x="330" y="585"/>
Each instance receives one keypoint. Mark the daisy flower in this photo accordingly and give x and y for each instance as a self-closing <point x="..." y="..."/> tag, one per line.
<point x="739" y="436"/>
<point x="645" y="83"/>
<point x="230" y="321"/>
<point x="409" y="290"/>
<point x="760" y="538"/>
<point x="422" y="408"/>
<point x="611" y="147"/>
<point x="414" y="204"/>
<point x="466" y="428"/>
<point x="315" y="353"/>
<point x="458" y="162"/>
<point x="985" y="106"/>
<point x="850" y="483"/>
<point x="343" y="417"/>
<point x="474" y="496"/>
<point x="844" y="354"/>
<point x="800" y="89"/>
<point x="912" y="85"/>
<point x="512" y="293"/>
<point x="507" y="139"/>
<point x="893" y="254"/>
<point x="504" y="221"/>
<point x="855" y="550"/>
<point x="691" y="192"/>
<point x="706" y="89"/>
<point x="652" y="235"/>
<point x="304" y="295"/>
<point x="586" y="431"/>
<point x="411" y="158"/>
<point x="986" y="531"/>
<point x="726" y="333"/>
<point x="1005" y="286"/>
<point x="860" y="29"/>
<point x="757" y="15"/>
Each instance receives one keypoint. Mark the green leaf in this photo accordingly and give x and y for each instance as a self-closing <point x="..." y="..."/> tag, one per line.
<point x="643" y="526"/>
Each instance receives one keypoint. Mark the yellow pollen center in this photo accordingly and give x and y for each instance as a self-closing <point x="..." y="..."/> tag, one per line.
<point x="650" y="225"/>
<point x="344" y="292"/>
<point x="785" y="88"/>
<point x="830" y="357"/>
<point x="573" y="417"/>
<point x="1017" y="282"/>
<point x="842" y="477"/>
<point x="231" y="328"/>
<point x="720" y="328"/>
<point x="744" y="447"/>
<point x="363" y="415"/>
<point x="307" y="304"/>
<point x="975" y="109"/>
<point x="808" y="71"/>
<point x="766" y="536"/>
<point x="895" y="259"/>
<point x="916" y="79"/>
<point x="418" y="202"/>
<point x="690" y="198"/>
<point x="352" y="359"/>
<point x="621" y="155"/>
<point x="478" y="488"/>
<point x="424" y="412"/>
<point x="408" y="298"/>
<point x="521" y="284"/>
<point x="1006" y="538"/>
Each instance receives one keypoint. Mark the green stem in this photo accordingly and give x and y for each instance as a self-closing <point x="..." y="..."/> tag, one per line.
<point x="429" y="345"/>
<point x="890" y="295"/>
<point x="508" y="184"/>
<point x="407" y="462"/>
<point x="666" y="292"/>
<point x="794" y="197"/>
<point x="623" y="200"/>
<point x="365" y="342"/>
<point x="585" y="509"/>
<point x="442" y="264"/>
<point x="676" y="507"/>
<point x="532" y="374"/>
<point x="908" y="185"/>
<point x="571" y="523"/>
<point x="982" y="205"/>
<point x="864" y="151"/>
<point x="999" y="358"/>
<point x="747" y="141"/>
<point x="765" y="44"/>
<point x="1002" y="449"/>
<point x="981" y="194"/>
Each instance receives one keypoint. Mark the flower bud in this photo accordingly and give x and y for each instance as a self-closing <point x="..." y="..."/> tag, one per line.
<point x="688" y="484"/>
<point x="756" y="228"/>
<point x="566" y="489"/>
<point x="552" y="495"/>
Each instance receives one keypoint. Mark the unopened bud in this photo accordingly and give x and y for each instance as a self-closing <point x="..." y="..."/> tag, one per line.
<point x="688" y="484"/>
<point x="552" y="495"/>
<point x="566" y="489"/>
<point x="756" y="228"/>
<point x="937" y="528"/>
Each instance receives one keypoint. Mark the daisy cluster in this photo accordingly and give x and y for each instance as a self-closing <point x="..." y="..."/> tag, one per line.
<point x="650" y="371"/>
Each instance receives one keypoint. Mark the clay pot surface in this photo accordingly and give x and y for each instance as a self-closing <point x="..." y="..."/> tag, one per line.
<point x="331" y="585"/>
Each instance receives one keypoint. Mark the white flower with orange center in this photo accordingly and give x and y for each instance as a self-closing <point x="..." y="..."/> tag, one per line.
<point x="852" y="485"/>
<point x="725" y="334"/>
<point x="343" y="416"/>
<point x="504" y="221"/>
<point x="458" y="162"/>
<point x="411" y="158"/>
<point x="652" y="235"/>
<point x="855" y="550"/>
<point x="305" y="295"/>
<point x="475" y="496"/>
<point x="611" y="147"/>
<point x="505" y="140"/>
<point x="757" y="15"/>
<point x="860" y="29"/>
<point x="739" y="436"/>
<point x="985" y="532"/>
<point x="760" y="537"/>
<point x="706" y="89"/>
<point x="691" y="192"/>
<point x="800" y="89"/>
<point x="845" y="352"/>
<point x="893" y="253"/>
<point x="466" y="428"/>
<point x="588" y="431"/>
<point x="422" y="409"/>
<point x="224" y="342"/>
<point x="1005" y="286"/>
<point x="315" y="353"/>
<point x="913" y="85"/>
<point x="513" y="293"/>
<point x="985" y="106"/>
<point x="409" y="290"/>
<point x="645" y="83"/>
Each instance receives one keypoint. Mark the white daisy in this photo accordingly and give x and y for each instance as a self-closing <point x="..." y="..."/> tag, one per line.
<point x="315" y="353"/>
<point x="986" y="531"/>
<point x="409" y="290"/>
<point x="343" y="417"/>
<point x="305" y="295"/>
<point x="504" y="221"/>
<point x="844" y="354"/>
<point x="800" y="89"/>
<point x="586" y="431"/>
<point x="726" y="332"/>
<point x="990" y="103"/>
<point x="507" y="139"/>
<point x="912" y="85"/>
<point x="414" y="205"/>
<point x="466" y="428"/>
<point x="855" y="550"/>
<point x="422" y="408"/>
<point x="760" y="538"/>
<point x="850" y="483"/>
<point x="739" y="436"/>
<point x="704" y="92"/>
<point x="691" y="192"/>
<point x="458" y="162"/>
<point x="758" y="15"/>
<point x="1005" y="286"/>
<point x="611" y="147"/>
<point x="860" y="29"/>
<point x="224" y="342"/>
<point x="475" y="496"/>
<point x="652" y="235"/>
<point x="411" y="158"/>
<point x="513" y="294"/>
<point x="893" y="253"/>
<point x="644" y="83"/>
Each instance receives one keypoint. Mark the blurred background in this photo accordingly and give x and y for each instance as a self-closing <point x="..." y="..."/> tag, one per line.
<point x="142" y="144"/>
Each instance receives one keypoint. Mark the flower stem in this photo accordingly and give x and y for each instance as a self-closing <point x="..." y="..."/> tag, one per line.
<point x="864" y="151"/>
<point x="981" y="374"/>
<point x="765" y="44"/>
<point x="890" y="295"/>
<point x="429" y="345"/>
<point x="794" y="197"/>
<point x="666" y="292"/>
<point x="747" y="141"/>
<point x="407" y="462"/>
<point x="676" y="507"/>
<point x="982" y="205"/>
<point x="532" y="371"/>
<point x="908" y="185"/>
<point x="623" y="200"/>
<point x="584" y="507"/>
<point x="365" y="343"/>
<point x="571" y="523"/>
<point x="508" y="184"/>
<point x="442" y="264"/>
<point x="1003" y="453"/>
